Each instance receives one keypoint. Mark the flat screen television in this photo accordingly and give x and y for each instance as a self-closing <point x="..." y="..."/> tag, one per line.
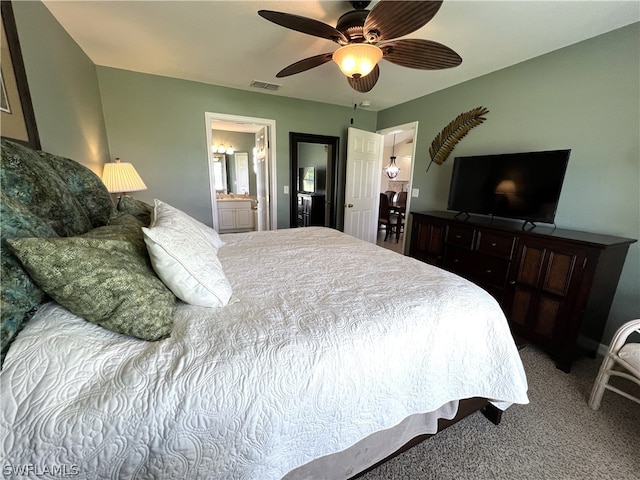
<point x="523" y="186"/>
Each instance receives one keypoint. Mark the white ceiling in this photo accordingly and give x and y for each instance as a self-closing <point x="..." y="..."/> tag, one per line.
<point x="226" y="43"/>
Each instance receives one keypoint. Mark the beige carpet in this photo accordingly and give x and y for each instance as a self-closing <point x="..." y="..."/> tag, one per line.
<point x="555" y="437"/>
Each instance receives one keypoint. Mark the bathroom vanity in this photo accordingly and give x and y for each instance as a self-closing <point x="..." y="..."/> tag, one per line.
<point x="236" y="215"/>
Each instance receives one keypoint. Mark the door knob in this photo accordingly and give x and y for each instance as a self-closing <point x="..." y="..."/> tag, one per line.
<point x="350" y="205"/>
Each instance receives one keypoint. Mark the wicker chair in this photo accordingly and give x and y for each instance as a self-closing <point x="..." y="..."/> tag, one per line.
<point x="626" y="356"/>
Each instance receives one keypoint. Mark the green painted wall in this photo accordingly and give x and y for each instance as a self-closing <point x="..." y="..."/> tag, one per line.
<point x="64" y="88"/>
<point x="585" y="97"/>
<point x="158" y="124"/>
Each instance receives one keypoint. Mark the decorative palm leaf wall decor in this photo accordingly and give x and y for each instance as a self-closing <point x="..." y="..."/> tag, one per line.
<point x="448" y="138"/>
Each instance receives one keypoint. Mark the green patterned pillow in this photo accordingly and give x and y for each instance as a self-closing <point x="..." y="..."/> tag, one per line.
<point x="85" y="185"/>
<point x="19" y="294"/>
<point x="29" y="180"/>
<point x="104" y="281"/>
<point x="123" y="227"/>
<point x="139" y="209"/>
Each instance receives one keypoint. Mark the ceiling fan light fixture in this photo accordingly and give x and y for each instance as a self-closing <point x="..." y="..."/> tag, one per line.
<point x="358" y="59"/>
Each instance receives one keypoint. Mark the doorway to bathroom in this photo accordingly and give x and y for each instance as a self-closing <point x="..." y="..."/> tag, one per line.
<point x="242" y="172"/>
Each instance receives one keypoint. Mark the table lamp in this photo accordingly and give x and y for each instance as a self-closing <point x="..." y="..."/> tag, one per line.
<point x="122" y="177"/>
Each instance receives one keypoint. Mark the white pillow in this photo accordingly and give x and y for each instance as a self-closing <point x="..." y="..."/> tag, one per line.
<point x="184" y="257"/>
<point x="211" y="235"/>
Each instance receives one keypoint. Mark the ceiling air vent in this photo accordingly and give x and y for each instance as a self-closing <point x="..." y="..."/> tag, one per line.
<point x="264" y="85"/>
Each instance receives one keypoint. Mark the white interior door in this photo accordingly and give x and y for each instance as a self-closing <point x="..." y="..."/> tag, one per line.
<point x="242" y="172"/>
<point x="364" y="167"/>
<point x="261" y="167"/>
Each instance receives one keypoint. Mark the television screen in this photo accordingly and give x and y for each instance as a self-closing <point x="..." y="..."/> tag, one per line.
<point x="515" y="185"/>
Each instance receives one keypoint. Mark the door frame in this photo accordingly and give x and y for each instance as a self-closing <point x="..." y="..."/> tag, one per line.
<point x="403" y="127"/>
<point x="271" y="145"/>
<point x="332" y="173"/>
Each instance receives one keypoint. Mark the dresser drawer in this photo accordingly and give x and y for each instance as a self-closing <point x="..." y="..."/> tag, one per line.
<point x="482" y="269"/>
<point x="459" y="260"/>
<point x="461" y="236"/>
<point x="489" y="270"/>
<point x="496" y="244"/>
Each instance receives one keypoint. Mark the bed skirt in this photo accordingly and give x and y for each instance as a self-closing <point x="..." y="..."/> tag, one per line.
<point x="381" y="446"/>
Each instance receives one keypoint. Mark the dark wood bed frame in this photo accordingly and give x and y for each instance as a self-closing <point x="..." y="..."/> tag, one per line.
<point x="465" y="408"/>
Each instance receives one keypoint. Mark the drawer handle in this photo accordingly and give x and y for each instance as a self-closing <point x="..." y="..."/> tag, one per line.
<point x="458" y="236"/>
<point x="493" y="244"/>
<point x="512" y="282"/>
<point x="488" y="270"/>
<point x="456" y="260"/>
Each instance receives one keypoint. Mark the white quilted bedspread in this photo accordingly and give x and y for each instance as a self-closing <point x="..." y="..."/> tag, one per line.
<point x="326" y="340"/>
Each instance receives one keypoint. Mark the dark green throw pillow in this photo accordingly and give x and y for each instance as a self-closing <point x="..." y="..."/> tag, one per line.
<point x="139" y="209"/>
<point x="105" y="281"/>
<point x="19" y="294"/>
<point x="85" y="185"/>
<point x="29" y="180"/>
<point x="123" y="227"/>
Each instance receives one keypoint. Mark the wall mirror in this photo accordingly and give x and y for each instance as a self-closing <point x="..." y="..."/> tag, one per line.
<point x="220" y="173"/>
<point x="314" y="176"/>
<point x="233" y="174"/>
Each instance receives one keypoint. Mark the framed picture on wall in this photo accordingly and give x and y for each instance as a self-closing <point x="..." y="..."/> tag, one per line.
<point x="4" y="103"/>
<point x="18" y="120"/>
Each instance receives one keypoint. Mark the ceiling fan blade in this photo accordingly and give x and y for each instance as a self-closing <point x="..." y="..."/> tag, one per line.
<point x="421" y="54"/>
<point x="365" y="84"/>
<point x="304" y="25"/>
<point x="305" y="64"/>
<point x="391" y="19"/>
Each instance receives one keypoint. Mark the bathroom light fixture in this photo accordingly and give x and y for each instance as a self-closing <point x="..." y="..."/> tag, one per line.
<point x="222" y="149"/>
<point x="358" y="59"/>
<point x="392" y="169"/>
<point x="121" y="177"/>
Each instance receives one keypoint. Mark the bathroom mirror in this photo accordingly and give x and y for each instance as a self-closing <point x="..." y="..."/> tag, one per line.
<point x="232" y="173"/>
<point x="220" y="173"/>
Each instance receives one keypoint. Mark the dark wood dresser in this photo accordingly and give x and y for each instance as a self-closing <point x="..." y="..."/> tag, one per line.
<point x="310" y="209"/>
<point x="554" y="285"/>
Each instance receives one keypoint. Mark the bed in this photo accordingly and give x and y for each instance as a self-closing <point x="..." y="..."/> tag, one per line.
<point x="326" y="348"/>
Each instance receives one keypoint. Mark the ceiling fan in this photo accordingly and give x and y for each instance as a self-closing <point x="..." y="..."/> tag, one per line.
<point x="367" y="36"/>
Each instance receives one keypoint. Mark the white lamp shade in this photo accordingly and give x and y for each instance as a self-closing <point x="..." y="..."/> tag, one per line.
<point x="357" y="60"/>
<point x="120" y="177"/>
